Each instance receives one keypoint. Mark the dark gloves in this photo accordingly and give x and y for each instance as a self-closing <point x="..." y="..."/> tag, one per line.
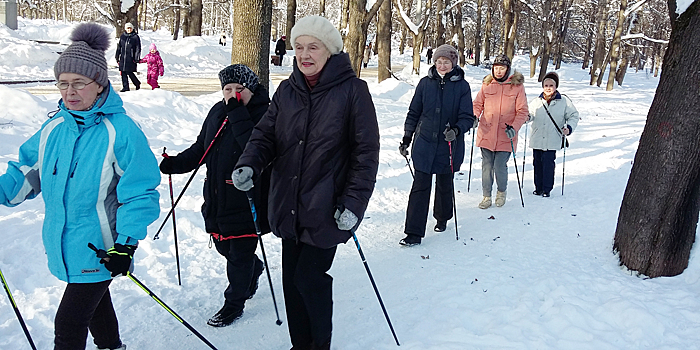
<point x="119" y="259"/>
<point x="403" y="146"/>
<point x="166" y="165"/>
<point x="451" y="133"/>
<point x="510" y="132"/>
<point x="233" y="102"/>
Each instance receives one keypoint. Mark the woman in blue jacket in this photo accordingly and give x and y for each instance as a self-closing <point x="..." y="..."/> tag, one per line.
<point x="438" y="116"/>
<point x="98" y="177"/>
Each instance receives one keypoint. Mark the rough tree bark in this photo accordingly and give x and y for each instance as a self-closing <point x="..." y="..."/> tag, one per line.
<point x="659" y="212"/>
<point x="291" y="19"/>
<point x="477" y="34"/>
<point x="615" y="47"/>
<point x="439" y="22"/>
<point x="487" y="32"/>
<point x="250" y="40"/>
<point x="460" y="34"/>
<point x="546" y="39"/>
<point x="358" y="24"/>
<point x="384" y="42"/>
<point x="599" y="53"/>
<point x="510" y="22"/>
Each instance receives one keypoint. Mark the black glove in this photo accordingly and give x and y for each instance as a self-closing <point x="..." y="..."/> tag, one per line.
<point x="510" y="132"/>
<point x="119" y="259"/>
<point x="403" y="146"/>
<point x="166" y="165"/>
<point x="232" y="104"/>
<point x="451" y="134"/>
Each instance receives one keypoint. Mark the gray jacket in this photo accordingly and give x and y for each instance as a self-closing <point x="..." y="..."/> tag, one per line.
<point x="544" y="134"/>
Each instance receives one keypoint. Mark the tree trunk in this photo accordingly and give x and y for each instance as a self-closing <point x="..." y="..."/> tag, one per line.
<point x="624" y="63"/>
<point x="509" y="28"/>
<point x="615" y="47"/>
<point x="659" y="212"/>
<point x="439" y="25"/>
<point x="460" y="34"/>
<point x="176" y="19"/>
<point x="384" y="42"/>
<point x="562" y="37"/>
<point x="250" y="40"/>
<point x="291" y="19"/>
<point x="195" y="24"/>
<point x="599" y="53"/>
<point x="322" y="8"/>
<point x="546" y="40"/>
<point x="487" y="32"/>
<point x="587" y="53"/>
<point x="477" y="34"/>
<point x="121" y="18"/>
<point x="416" y="51"/>
<point x="354" y="41"/>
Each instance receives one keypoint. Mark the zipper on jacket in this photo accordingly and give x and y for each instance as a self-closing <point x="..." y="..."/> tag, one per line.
<point x="74" y="167"/>
<point x="55" y="167"/>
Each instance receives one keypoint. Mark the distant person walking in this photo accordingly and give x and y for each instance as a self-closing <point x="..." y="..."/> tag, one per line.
<point x="553" y="117"/>
<point x="128" y="55"/>
<point x="155" y="66"/>
<point x="501" y="107"/>
<point x="430" y="54"/>
<point x="438" y="116"/>
<point x="222" y="39"/>
<point x="281" y="49"/>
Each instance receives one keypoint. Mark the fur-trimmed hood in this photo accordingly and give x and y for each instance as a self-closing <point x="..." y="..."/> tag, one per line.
<point x="515" y="79"/>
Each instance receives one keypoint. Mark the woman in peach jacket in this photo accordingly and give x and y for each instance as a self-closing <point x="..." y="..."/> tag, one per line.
<point x="501" y="108"/>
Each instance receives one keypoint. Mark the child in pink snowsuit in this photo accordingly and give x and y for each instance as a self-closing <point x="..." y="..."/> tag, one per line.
<point x="155" y="66"/>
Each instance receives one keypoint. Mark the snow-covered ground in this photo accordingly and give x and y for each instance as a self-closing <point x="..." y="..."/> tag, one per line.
<point x="539" y="277"/>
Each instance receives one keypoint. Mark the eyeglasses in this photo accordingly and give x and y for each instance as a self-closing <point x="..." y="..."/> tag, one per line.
<point x="76" y="85"/>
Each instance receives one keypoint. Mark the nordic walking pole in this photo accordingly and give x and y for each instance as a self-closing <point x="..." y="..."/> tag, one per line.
<point x="515" y="162"/>
<point x="19" y="316"/>
<point x="409" y="167"/>
<point x="524" y="153"/>
<point x="374" y="285"/>
<point x="190" y="179"/>
<point x="471" y="156"/>
<point x="454" y="200"/>
<point x="102" y="254"/>
<point x="249" y="193"/>
<point x="172" y="204"/>
<point x="563" y="166"/>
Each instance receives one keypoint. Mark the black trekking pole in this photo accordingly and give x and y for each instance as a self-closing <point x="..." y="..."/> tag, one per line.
<point x="454" y="200"/>
<point x="471" y="156"/>
<point x="199" y="165"/>
<point x="249" y="193"/>
<point x="524" y="153"/>
<point x="102" y="254"/>
<point x="409" y="166"/>
<point x="19" y="316"/>
<point x="516" y="173"/>
<point x="374" y="285"/>
<point x="172" y="204"/>
<point x="563" y="166"/>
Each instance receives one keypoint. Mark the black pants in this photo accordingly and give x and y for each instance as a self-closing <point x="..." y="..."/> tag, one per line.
<point x="134" y="79"/>
<point x="543" y="162"/>
<point x="308" y="293"/>
<point x="419" y="201"/>
<point x="86" y="306"/>
<point x="241" y="264"/>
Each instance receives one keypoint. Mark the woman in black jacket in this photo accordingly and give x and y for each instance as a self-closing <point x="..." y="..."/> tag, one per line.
<point x="439" y="115"/>
<point x="226" y="211"/>
<point x="128" y="55"/>
<point x="322" y="138"/>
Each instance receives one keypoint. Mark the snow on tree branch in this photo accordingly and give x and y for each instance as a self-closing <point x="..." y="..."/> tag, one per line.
<point x="642" y="36"/>
<point x="405" y="19"/>
<point x="103" y="12"/>
<point x="635" y="7"/>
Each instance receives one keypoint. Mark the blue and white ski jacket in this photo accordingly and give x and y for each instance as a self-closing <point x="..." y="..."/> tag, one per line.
<point x="98" y="177"/>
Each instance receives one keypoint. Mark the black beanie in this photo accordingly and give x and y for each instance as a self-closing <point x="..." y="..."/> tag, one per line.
<point x="239" y="74"/>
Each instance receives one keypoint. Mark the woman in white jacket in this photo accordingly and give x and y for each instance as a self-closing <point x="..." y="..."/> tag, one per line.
<point x="553" y="117"/>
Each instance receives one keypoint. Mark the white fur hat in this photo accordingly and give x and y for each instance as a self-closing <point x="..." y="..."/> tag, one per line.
<point x="321" y="29"/>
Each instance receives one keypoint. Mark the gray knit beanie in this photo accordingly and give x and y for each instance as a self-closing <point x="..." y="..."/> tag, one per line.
<point x="447" y="51"/>
<point x="239" y="74"/>
<point x="86" y="55"/>
<point x="321" y="29"/>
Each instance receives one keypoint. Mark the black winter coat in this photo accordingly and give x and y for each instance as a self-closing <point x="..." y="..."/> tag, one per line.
<point x="324" y="148"/>
<point x="128" y="52"/>
<point x="281" y="47"/>
<point x="436" y="102"/>
<point x="226" y="210"/>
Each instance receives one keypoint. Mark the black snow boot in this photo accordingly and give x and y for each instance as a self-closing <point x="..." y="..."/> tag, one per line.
<point x="440" y="226"/>
<point x="410" y="240"/>
<point x="225" y="316"/>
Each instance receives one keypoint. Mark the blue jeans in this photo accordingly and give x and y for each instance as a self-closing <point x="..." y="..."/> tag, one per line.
<point x="494" y="163"/>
